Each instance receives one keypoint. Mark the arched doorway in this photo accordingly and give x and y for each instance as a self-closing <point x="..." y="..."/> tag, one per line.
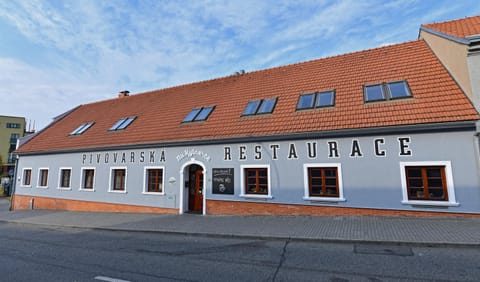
<point x="195" y="188"/>
<point x="192" y="187"/>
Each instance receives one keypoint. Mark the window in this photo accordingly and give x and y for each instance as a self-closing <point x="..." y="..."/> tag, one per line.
<point x="153" y="183"/>
<point x="316" y="100"/>
<point x="27" y="177"/>
<point x="88" y="179"/>
<point x="323" y="182"/>
<point x="122" y="123"/>
<point x="82" y="128"/>
<point x="118" y="179"/>
<point x="43" y="178"/>
<point x="427" y="183"/>
<point x="386" y="91"/>
<point x="13" y="125"/>
<point x="65" y="177"/>
<point x="255" y="181"/>
<point x="199" y="114"/>
<point x="14" y="137"/>
<point x="264" y="106"/>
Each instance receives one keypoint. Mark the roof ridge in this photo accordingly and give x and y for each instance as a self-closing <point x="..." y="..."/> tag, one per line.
<point x="450" y="21"/>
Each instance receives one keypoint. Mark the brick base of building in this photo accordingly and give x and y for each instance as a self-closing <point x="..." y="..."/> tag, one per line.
<point x="22" y="202"/>
<point x="215" y="207"/>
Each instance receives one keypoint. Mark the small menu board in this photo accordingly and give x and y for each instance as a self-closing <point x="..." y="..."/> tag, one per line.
<point x="223" y="181"/>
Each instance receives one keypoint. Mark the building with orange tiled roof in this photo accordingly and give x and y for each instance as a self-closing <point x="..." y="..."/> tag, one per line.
<point x="385" y="131"/>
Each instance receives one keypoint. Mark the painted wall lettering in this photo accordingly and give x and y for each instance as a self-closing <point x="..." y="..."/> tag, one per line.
<point x="355" y="152"/>
<point x="333" y="149"/>
<point x="292" y="151"/>
<point x="242" y="152"/>
<point x="122" y="157"/>
<point x="227" y="155"/>
<point x="258" y="152"/>
<point x="274" y="148"/>
<point x="312" y="150"/>
<point x="379" y="152"/>
<point x="404" y="143"/>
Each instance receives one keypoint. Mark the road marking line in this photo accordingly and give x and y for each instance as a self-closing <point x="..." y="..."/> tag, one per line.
<point x="109" y="279"/>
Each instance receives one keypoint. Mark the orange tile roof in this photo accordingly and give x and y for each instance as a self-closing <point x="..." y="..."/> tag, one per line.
<point x="436" y="99"/>
<point x="460" y="28"/>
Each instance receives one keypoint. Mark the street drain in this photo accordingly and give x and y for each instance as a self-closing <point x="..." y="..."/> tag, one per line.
<point x="371" y="249"/>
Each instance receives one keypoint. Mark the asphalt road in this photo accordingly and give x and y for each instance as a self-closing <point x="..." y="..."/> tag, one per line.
<point x="38" y="253"/>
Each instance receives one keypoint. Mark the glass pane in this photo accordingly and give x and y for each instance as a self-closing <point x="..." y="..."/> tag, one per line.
<point x="204" y="113"/>
<point x="415" y="182"/>
<point x="126" y="123"/>
<point x="251" y="108"/>
<point x="306" y="101"/>
<point x="398" y="89"/>
<point x="117" y="124"/>
<point x="436" y="193"/>
<point x="191" y="115"/>
<point x="325" y="99"/>
<point x="262" y="172"/>
<point x="316" y="190"/>
<point x="417" y="193"/>
<point x="315" y="172"/>
<point x="330" y="172"/>
<point x="267" y="106"/>
<point x="78" y="129"/>
<point x="317" y="182"/>
<point x="414" y="172"/>
<point x="374" y="93"/>
<point x="332" y="191"/>
<point x="331" y="182"/>
<point x="435" y="183"/>
<point x="434" y="172"/>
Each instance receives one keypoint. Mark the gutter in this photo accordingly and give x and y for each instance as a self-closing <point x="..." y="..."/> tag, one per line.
<point x="343" y="133"/>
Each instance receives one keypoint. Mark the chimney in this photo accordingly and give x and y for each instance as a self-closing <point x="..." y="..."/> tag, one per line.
<point x="124" y="93"/>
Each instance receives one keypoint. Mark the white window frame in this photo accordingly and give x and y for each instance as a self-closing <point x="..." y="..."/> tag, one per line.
<point x="307" y="196"/>
<point x="82" y="177"/>
<point x="22" y="183"/>
<point x="243" y="193"/>
<point x="39" y="178"/>
<point x="110" y="181"/>
<point x="145" y="179"/>
<point x="448" y="178"/>
<point x="60" y="178"/>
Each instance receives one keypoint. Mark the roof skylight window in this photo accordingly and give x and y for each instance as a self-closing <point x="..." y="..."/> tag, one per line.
<point x="264" y="106"/>
<point x="122" y="123"/>
<point x="82" y="128"/>
<point x="316" y="100"/>
<point x="199" y="114"/>
<point x="387" y="91"/>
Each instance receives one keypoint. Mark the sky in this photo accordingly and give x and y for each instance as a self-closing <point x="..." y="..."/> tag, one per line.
<point x="56" y="55"/>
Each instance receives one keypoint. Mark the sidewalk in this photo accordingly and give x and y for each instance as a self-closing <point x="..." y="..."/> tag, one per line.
<point x="361" y="229"/>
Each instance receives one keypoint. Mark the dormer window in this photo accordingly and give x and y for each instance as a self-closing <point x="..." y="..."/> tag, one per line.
<point x="122" y="123"/>
<point x="257" y="107"/>
<point x="199" y="114"/>
<point x="386" y="91"/>
<point x="82" y="128"/>
<point x="316" y="100"/>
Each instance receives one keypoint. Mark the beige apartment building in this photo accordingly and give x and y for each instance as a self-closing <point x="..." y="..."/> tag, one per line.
<point x="11" y="129"/>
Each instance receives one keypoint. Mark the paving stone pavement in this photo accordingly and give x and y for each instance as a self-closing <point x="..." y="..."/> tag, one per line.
<point x="445" y="231"/>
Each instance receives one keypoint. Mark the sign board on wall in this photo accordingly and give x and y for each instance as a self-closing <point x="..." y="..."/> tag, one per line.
<point x="223" y="181"/>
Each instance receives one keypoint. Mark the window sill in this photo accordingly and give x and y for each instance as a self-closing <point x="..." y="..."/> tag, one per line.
<point x="117" y="192"/>
<point x="248" y="196"/>
<point x="86" y="190"/>
<point x="154" y="193"/>
<point x="26" y="186"/>
<point x="324" y="199"/>
<point x="42" y="187"/>
<point x="64" y="188"/>
<point x="431" y="203"/>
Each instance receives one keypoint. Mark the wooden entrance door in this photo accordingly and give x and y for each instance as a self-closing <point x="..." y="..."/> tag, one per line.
<point x="195" y="199"/>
